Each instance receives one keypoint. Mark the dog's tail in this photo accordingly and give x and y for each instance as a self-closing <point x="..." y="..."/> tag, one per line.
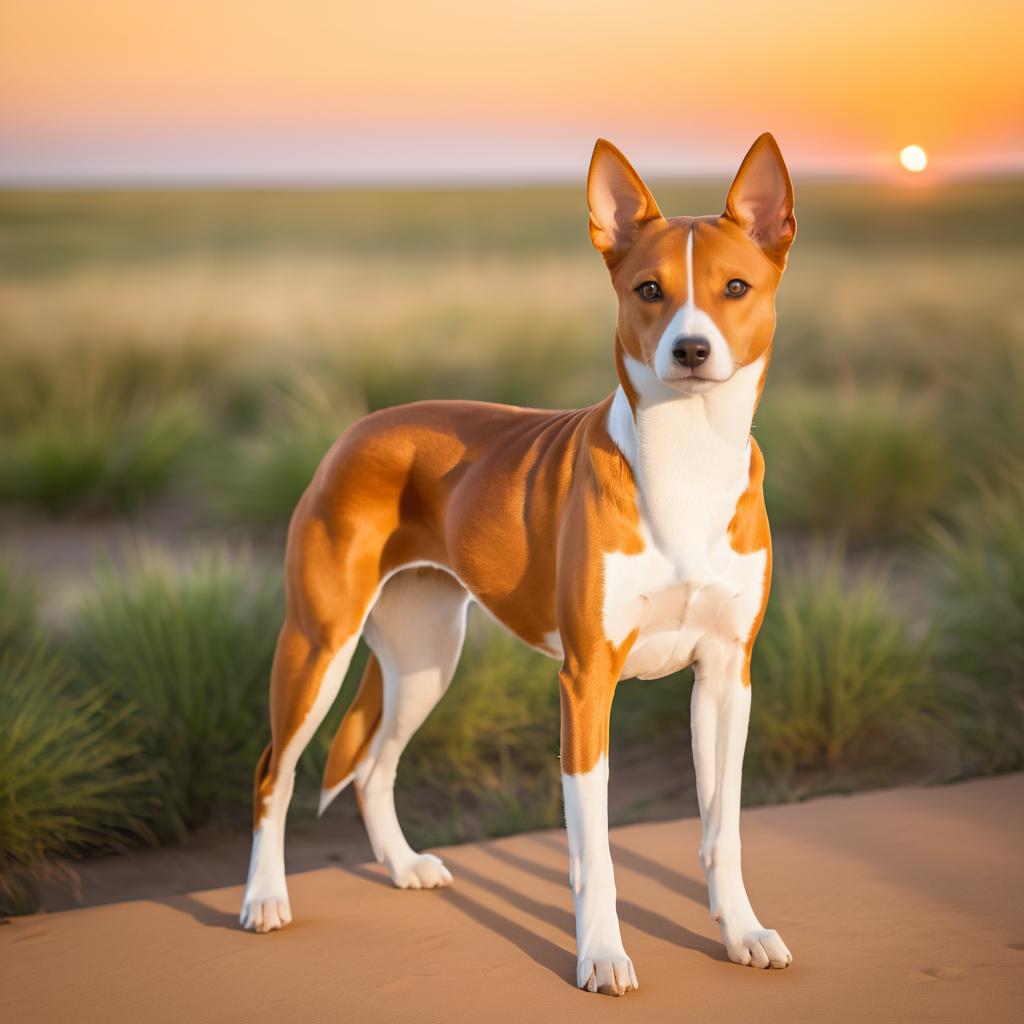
<point x="355" y="734"/>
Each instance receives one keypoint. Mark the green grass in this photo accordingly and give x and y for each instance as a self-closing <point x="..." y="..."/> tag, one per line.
<point x="869" y="465"/>
<point x="211" y="346"/>
<point x="980" y="566"/>
<point x="96" y="461"/>
<point x="987" y="417"/>
<point x="840" y="680"/>
<point x="96" y="429"/>
<point x="48" y="234"/>
<point x="19" y="610"/>
<point x="261" y="477"/>
<point x="163" y="691"/>
<point x="188" y="648"/>
<point x="140" y="326"/>
<point x="68" y="784"/>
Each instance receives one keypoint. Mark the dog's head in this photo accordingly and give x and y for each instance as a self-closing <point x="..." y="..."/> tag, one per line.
<point x="696" y="294"/>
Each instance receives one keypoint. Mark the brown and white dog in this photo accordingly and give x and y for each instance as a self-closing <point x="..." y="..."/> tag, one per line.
<point x="626" y="539"/>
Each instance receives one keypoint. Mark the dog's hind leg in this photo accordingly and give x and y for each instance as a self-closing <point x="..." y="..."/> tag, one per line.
<point x="416" y="631"/>
<point x="320" y="632"/>
<point x="305" y="682"/>
<point x="354" y="737"/>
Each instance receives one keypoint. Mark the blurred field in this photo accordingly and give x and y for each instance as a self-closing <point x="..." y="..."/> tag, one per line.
<point x="179" y="362"/>
<point x="180" y="319"/>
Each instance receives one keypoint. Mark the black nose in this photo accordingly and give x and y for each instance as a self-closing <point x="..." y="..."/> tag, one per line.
<point x="691" y="350"/>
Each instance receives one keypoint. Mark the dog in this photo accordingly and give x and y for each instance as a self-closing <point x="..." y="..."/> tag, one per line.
<point x="628" y="539"/>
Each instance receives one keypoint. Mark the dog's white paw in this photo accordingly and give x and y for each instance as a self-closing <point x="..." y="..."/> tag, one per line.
<point x="265" y="915"/>
<point x="424" y="871"/>
<point x="610" y="975"/>
<point x="760" y="947"/>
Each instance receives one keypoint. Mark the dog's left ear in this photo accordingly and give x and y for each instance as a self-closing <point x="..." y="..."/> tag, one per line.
<point x="761" y="199"/>
<point x="620" y="203"/>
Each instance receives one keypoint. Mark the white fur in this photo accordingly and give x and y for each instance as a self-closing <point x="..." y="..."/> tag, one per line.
<point x="720" y="709"/>
<point x="690" y="596"/>
<point x="416" y="629"/>
<point x="620" y="425"/>
<point x="552" y="645"/>
<point x="601" y="959"/>
<point x="691" y="459"/>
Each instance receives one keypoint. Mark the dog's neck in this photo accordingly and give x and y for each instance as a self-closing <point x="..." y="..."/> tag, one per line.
<point x="690" y="455"/>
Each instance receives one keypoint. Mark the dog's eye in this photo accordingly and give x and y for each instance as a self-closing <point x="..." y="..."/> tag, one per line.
<point x="649" y="291"/>
<point x="735" y="288"/>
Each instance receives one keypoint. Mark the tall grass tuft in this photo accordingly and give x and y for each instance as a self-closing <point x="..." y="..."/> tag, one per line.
<point x="67" y="785"/>
<point x="19" y="609"/>
<point x="839" y="677"/>
<point x="870" y="465"/>
<point x="980" y="562"/>
<point x="987" y="414"/>
<point x="260" y="479"/>
<point x="188" y="648"/>
<point x="99" y="460"/>
<point x="99" y="426"/>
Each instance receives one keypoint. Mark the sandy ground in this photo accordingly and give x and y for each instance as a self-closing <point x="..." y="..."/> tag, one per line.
<point x="905" y="905"/>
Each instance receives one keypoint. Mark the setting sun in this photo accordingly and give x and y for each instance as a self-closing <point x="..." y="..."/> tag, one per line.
<point x="913" y="159"/>
<point x="318" y="90"/>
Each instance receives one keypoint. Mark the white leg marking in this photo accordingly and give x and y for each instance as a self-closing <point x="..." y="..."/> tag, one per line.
<point x="265" y="906"/>
<point x="602" y="964"/>
<point x="416" y="630"/>
<point x="719" y="714"/>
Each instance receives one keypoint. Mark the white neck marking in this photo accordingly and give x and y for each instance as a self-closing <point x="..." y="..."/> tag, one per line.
<point x="690" y="456"/>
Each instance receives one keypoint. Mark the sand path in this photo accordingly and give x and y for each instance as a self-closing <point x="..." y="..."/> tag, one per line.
<point x="906" y="905"/>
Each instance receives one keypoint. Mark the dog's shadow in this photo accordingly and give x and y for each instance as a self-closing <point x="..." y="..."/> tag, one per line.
<point x="561" y="962"/>
<point x="643" y="919"/>
<point x="203" y="913"/>
<point x="553" y="956"/>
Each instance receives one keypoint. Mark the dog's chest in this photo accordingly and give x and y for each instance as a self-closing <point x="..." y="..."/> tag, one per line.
<point x="673" y="612"/>
<point x="688" y="586"/>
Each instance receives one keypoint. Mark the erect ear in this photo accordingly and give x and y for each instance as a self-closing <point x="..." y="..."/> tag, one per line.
<point x="620" y="203"/>
<point x="761" y="199"/>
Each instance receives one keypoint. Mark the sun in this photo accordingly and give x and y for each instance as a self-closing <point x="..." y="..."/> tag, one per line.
<point x="913" y="159"/>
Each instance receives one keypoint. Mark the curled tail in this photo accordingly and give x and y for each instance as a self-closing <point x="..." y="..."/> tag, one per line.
<point x="355" y="733"/>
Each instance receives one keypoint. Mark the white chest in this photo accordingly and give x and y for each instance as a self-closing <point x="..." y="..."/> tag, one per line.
<point x="688" y="587"/>
<point x="674" y="614"/>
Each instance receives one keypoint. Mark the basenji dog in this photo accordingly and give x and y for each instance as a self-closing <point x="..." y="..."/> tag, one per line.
<point x="628" y="539"/>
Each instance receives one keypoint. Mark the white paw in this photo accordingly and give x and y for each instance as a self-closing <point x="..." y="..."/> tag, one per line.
<point x="759" y="947"/>
<point x="610" y="975"/>
<point x="265" y="915"/>
<point x="425" y="871"/>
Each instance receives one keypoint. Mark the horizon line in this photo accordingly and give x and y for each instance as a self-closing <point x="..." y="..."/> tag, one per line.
<point x="486" y="181"/>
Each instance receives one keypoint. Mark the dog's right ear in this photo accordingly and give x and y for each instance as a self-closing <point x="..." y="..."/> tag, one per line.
<point x="620" y="203"/>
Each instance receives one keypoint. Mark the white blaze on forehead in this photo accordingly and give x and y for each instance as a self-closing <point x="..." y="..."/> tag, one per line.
<point x="690" y="320"/>
<point x="689" y="267"/>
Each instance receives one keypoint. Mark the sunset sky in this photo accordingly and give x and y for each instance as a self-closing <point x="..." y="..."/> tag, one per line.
<point x="310" y="90"/>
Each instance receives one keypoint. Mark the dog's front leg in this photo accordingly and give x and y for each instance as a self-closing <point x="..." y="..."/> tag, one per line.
<point x="586" y="699"/>
<point x="720" y="711"/>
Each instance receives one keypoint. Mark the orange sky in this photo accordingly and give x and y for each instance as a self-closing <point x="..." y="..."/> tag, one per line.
<point x="385" y="89"/>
